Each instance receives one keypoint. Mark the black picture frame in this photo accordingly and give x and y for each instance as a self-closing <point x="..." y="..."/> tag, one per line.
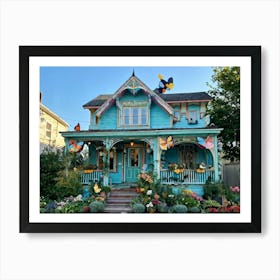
<point x="254" y="52"/>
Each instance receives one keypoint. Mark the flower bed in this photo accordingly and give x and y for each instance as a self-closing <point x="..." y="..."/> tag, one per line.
<point x="155" y="198"/>
<point x="91" y="200"/>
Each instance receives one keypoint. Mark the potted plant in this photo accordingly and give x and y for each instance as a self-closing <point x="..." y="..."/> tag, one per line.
<point x="88" y="168"/>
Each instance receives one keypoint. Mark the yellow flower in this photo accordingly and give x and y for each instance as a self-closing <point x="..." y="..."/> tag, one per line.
<point x="187" y="192"/>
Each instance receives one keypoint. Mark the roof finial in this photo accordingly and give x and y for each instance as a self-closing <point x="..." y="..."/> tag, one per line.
<point x="133" y="73"/>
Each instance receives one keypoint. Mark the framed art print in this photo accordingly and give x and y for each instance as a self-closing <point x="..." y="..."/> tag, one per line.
<point x="140" y="139"/>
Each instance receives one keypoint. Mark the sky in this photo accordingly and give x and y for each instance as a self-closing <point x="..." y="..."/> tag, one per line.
<point x="66" y="89"/>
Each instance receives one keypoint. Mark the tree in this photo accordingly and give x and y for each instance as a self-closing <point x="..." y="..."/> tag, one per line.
<point x="51" y="163"/>
<point x="224" y="109"/>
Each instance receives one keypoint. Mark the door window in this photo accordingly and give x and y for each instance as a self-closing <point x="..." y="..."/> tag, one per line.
<point x="134" y="158"/>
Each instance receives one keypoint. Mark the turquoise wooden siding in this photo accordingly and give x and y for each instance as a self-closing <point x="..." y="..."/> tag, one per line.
<point x="137" y="97"/>
<point x="183" y="123"/>
<point x="108" y="120"/>
<point x="117" y="176"/>
<point x="159" y="117"/>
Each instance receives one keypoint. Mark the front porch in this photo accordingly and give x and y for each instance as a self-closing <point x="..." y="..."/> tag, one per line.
<point x="117" y="159"/>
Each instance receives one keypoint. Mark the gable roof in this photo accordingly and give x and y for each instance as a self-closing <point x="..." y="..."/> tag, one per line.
<point x="169" y="98"/>
<point x="131" y="84"/>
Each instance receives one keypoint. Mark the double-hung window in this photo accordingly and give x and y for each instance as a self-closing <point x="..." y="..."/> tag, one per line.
<point x="48" y="130"/>
<point x="135" y="116"/>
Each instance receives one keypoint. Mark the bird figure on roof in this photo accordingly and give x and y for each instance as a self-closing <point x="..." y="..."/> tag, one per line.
<point x="164" y="85"/>
<point x="77" y="127"/>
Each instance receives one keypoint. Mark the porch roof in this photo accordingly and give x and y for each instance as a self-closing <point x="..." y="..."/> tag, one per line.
<point x="133" y="133"/>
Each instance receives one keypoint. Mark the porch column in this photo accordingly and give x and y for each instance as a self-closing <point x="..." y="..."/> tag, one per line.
<point x="66" y="148"/>
<point x="156" y="158"/>
<point x="106" y="163"/>
<point x="216" y="160"/>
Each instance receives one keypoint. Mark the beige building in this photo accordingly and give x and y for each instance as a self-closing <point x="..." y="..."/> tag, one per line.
<point x="50" y="127"/>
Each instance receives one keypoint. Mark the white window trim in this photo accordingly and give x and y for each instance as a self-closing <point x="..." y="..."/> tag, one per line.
<point x="131" y="116"/>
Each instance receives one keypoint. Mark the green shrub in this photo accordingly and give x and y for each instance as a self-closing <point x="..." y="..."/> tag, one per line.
<point x="210" y="203"/>
<point x="105" y="189"/>
<point x="179" y="208"/>
<point x="187" y="201"/>
<point x="195" y="210"/>
<point x="96" y="207"/>
<point x="162" y="208"/>
<point x="51" y="162"/>
<point x="214" y="190"/>
<point x="138" y="208"/>
<point x="68" y="183"/>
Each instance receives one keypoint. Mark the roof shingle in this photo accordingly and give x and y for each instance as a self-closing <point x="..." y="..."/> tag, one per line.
<point x="172" y="97"/>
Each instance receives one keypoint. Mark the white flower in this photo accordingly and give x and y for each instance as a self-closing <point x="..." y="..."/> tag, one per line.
<point x="150" y="205"/>
<point x="149" y="192"/>
<point x="171" y="195"/>
<point x="78" y="198"/>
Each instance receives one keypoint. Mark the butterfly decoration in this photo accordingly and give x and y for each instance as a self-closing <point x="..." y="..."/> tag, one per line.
<point x="164" y="85"/>
<point x="75" y="147"/>
<point x="166" y="144"/>
<point x="207" y="143"/>
<point x="96" y="188"/>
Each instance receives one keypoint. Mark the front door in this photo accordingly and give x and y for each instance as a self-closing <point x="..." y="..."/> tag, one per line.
<point x="133" y="164"/>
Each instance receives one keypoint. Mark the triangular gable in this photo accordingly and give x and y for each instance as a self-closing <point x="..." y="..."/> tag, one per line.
<point x="133" y="84"/>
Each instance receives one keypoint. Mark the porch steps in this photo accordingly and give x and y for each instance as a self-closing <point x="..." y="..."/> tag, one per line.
<point x="119" y="200"/>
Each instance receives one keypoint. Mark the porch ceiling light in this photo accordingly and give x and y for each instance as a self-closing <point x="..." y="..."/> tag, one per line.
<point x="131" y="143"/>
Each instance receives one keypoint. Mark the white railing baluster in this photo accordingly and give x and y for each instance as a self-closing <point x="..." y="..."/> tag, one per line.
<point x="188" y="176"/>
<point x="87" y="178"/>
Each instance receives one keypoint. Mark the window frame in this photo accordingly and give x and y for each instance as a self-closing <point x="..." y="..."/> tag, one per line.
<point x="131" y="116"/>
<point x="189" y="117"/>
<point x="48" y="130"/>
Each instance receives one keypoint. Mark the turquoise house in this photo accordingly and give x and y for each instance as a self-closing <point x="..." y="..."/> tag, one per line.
<point x="137" y="129"/>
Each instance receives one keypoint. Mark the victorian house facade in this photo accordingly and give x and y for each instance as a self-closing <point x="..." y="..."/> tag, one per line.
<point x="138" y="129"/>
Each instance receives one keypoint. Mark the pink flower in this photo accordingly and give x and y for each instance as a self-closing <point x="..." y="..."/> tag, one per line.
<point x="155" y="201"/>
<point x="235" y="189"/>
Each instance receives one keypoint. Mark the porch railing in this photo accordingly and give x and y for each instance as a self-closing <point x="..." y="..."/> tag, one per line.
<point x="87" y="178"/>
<point x="188" y="176"/>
